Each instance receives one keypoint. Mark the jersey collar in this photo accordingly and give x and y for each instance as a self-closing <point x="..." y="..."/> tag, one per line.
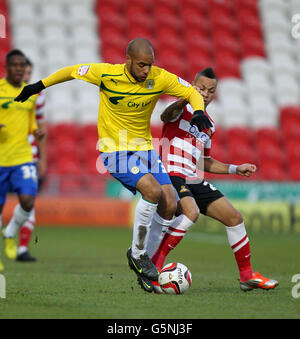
<point x="129" y="76"/>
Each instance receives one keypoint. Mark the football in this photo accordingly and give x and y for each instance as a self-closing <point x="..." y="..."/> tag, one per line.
<point x="175" y="278"/>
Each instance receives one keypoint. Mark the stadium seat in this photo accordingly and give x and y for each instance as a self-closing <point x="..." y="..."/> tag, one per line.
<point x="227" y="65"/>
<point x="242" y="153"/>
<point x="242" y="134"/>
<point x="272" y="171"/>
<point x="96" y="184"/>
<point x="71" y="185"/>
<point x="268" y="135"/>
<point x="272" y="152"/>
<point x="294" y="171"/>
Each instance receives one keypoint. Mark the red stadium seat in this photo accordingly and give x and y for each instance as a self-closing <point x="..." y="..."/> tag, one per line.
<point x="242" y="153"/>
<point x="172" y="5"/>
<point x="252" y="21"/>
<point x="242" y="4"/>
<point x="201" y="6"/>
<point x="227" y="65"/>
<point x="113" y="55"/>
<point x="145" y="4"/>
<point x="66" y="130"/>
<point x="293" y="149"/>
<point x="224" y="22"/>
<point x="268" y="134"/>
<point x="242" y="133"/>
<point x="165" y="17"/>
<point x="96" y="184"/>
<point x="291" y="127"/>
<point x="252" y="44"/>
<point x="270" y="152"/>
<point x="272" y="171"/>
<point x="69" y="166"/>
<point x="227" y="42"/>
<point x="110" y="15"/>
<point x="294" y="171"/>
<point x="195" y="19"/>
<point x="116" y="4"/>
<point x="290" y="110"/>
<point x="227" y="5"/>
<point x="198" y="41"/>
<point x="70" y="185"/>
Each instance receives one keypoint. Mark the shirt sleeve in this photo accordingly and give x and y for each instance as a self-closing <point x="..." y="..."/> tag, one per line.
<point x="177" y="87"/>
<point x="207" y="148"/>
<point x="88" y="72"/>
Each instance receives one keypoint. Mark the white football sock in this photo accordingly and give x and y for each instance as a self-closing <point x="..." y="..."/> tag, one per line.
<point x="0" y="221"/>
<point x="156" y="233"/>
<point x="18" y="219"/>
<point x="143" y="216"/>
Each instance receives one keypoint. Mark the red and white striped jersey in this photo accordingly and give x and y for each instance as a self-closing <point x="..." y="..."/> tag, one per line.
<point x="183" y="146"/>
<point x="40" y="117"/>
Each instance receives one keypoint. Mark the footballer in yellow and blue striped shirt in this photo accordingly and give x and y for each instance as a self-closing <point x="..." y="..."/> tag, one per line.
<point x="128" y="94"/>
<point x="17" y="171"/>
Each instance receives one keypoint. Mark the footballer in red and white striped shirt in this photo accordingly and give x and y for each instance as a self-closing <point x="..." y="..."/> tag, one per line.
<point x="182" y="146"/>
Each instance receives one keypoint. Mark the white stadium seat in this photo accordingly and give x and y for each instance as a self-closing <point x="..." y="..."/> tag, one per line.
<point x="231" y="86"/>
<point x="257" y="65"/>
<point x="52" y="14"/>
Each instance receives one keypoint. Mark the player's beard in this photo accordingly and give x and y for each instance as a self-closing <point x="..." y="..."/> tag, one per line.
<point x="132" y="73"/>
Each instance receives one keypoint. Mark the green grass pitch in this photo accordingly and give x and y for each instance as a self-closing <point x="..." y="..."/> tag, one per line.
<point x="83" y="273"/>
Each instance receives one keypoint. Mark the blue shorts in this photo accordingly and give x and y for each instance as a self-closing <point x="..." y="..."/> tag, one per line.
<point x="21" y="179"/>
<point x="129" y="166"/>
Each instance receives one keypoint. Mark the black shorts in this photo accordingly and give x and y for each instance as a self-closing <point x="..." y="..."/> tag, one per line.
<point x="203" y="193"/>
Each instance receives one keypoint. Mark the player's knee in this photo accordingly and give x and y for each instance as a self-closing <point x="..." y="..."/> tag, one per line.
<point x="153" y="194"/>
<point x="27" y="203"/>
<point x="171" y="207"/>
<point x="236" y="218"/>
<point x="193" y="215"/>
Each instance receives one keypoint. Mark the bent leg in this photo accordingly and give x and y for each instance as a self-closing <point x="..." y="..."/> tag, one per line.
<point x="222" y="210"/>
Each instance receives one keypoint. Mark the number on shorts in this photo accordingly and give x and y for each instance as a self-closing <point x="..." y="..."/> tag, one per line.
<point x="205" y="183"/>
<point x="29" y="171"/>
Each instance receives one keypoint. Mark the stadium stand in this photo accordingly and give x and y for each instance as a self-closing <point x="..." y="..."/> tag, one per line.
<point x="248" y="43"/>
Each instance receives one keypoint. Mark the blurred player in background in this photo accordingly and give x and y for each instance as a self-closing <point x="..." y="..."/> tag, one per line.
<point x="202" y="197"/>
<point x="128" y="94"/>
<point x="17" y="170"/>
<point x="40" y="159"/>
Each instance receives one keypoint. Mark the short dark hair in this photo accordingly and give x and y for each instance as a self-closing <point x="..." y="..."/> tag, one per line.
<point x="28" y="62"/>
<point x="207" y="72"/>
<point x="14" y="52"/>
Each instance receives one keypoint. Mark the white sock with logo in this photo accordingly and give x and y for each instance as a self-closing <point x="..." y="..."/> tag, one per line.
<point x="19" y="218"/>
<point x="143" y="216"/>
<point x="156" y="233"/>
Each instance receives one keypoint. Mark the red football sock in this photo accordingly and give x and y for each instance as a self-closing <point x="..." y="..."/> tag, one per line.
<point x="171" y="239"/>
<point x="239" y="243"/>
<point x="25" y="236"/>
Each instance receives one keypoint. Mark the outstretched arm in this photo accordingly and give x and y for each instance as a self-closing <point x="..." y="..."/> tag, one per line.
<point x="61" y="75"/>
<point x="212" y="165"/>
